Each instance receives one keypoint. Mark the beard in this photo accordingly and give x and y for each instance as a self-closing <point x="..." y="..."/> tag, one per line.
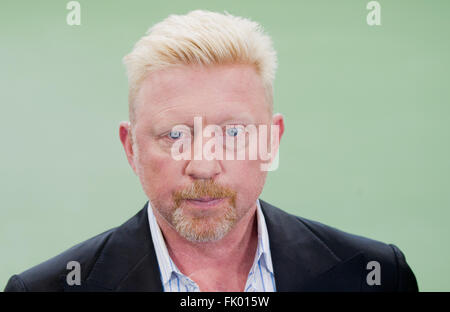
<point x="207" y="225"/>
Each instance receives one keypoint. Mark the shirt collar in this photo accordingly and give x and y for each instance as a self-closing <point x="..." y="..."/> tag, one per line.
<point x="263" y="248"/>
<point x="166" y="265"/>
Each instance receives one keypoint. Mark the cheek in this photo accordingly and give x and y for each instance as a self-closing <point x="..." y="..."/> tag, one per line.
<point x="247" y="179"/>
<point x="158" y="172"/>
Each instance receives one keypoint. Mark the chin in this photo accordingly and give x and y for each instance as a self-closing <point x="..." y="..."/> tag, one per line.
<point x="205" y="228"/>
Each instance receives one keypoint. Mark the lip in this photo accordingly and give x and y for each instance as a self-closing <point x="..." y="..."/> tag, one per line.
<point x="205" y="202"/>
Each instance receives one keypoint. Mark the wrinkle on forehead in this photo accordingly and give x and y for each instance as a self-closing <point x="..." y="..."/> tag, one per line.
<point x="202" y="92"/>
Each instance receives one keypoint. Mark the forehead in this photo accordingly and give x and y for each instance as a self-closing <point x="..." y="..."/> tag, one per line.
<point x="216" y="93"/>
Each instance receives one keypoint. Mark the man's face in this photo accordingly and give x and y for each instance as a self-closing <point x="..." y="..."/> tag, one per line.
<point x="202" y="199"/>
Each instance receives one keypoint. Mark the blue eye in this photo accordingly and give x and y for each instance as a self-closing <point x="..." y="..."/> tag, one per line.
<point x="233" y="131"/>
<point x="175" y="135"/>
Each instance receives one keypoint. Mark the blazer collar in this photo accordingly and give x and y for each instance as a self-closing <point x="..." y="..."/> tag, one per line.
<point x="128" y="260"/>
<point x="301" y="261"/>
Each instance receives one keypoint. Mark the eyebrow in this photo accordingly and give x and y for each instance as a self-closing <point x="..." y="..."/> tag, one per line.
<point x="167" y="127"/>
<point x="243" y="118"/>
<point x="235" y="121"/>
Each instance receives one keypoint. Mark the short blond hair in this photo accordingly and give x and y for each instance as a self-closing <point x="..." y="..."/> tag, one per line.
<point x="204" y="38"/>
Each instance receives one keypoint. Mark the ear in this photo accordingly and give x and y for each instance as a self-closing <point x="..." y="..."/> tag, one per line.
<point x="276" y="132"/>
<point x="278" y="121"/>
<point x="127" y="141"/>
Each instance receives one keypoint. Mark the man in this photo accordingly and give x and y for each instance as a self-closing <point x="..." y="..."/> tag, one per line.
<point x="199" y="84"/>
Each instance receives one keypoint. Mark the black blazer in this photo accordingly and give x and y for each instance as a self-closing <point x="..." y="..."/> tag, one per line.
<point x="306" y="256"/>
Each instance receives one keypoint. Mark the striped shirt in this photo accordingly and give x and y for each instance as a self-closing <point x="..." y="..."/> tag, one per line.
<point x="260" y="277"/>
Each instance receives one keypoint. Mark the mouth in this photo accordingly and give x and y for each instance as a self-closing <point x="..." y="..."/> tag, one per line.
<point x="205" y="202"/>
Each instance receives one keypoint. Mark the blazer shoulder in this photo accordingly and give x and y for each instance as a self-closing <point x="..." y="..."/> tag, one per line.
<point x="389" y="257"/>
<point x="340" y="243"/>
<point x="50" y="275"/>
<point x="345" y="244"/>
<point x="346" y="247"/>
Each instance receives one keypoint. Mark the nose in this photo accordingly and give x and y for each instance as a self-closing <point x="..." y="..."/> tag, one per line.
<point x="203" y="169"/>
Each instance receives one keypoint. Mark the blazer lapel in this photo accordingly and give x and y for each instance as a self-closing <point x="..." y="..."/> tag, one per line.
<point x="127" y="262"/>
<point x="301" y="261"/>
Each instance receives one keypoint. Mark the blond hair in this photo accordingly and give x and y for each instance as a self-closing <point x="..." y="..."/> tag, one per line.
<point x="204" y="38"/>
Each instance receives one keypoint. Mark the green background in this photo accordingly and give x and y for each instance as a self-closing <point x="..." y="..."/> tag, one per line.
<point x="367" y="141"/>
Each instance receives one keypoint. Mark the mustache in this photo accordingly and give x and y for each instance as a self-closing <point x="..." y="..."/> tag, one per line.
<point x="204" y="189"/>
